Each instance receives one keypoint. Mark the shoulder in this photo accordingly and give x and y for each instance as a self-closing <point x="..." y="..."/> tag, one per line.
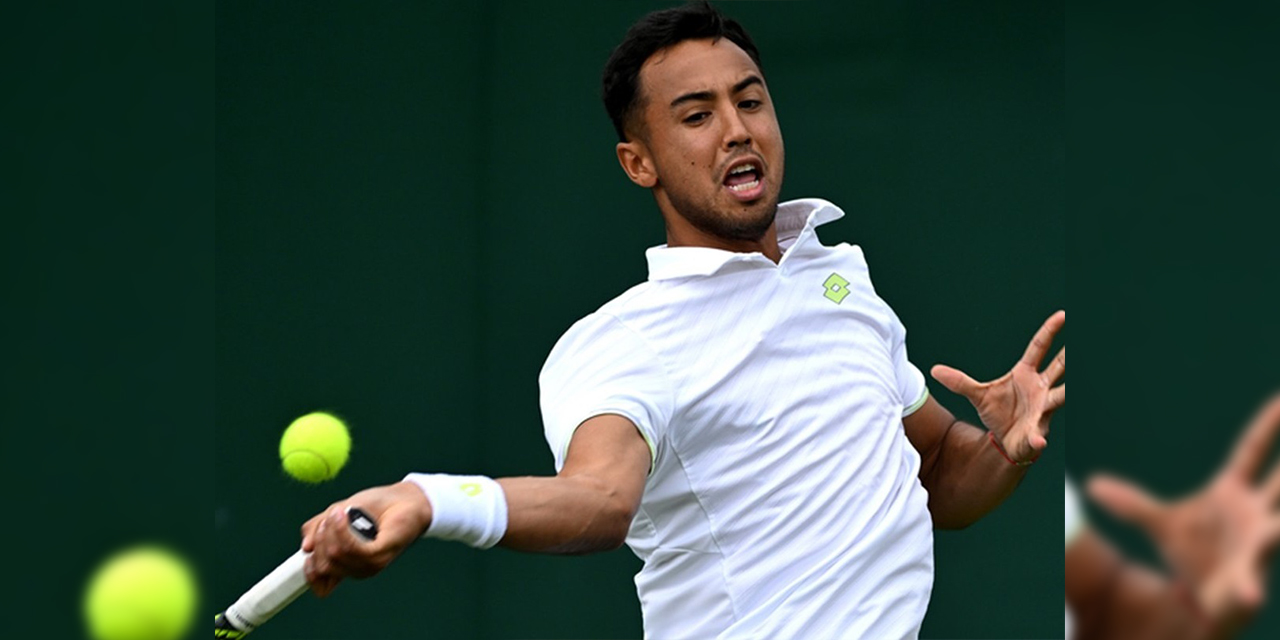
<point x="601" y="336"/>
<point x="621" y="306"/>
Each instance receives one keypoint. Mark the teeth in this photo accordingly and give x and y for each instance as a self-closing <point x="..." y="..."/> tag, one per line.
<point x="745" y="167"/>
<point x="746" y="186"/>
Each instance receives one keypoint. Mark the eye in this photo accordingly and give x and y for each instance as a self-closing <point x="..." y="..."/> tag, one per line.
<point x="749" y="104"/>
<point x="697" y="117"/>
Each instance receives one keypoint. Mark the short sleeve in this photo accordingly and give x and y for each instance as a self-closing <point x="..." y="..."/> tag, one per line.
<point x="911" y="386"/>
<point x="1075" y="514"/>
<point x="602" y="367"/>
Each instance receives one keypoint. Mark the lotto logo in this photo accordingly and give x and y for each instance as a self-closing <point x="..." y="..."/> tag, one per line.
<point x="836" y="288"/>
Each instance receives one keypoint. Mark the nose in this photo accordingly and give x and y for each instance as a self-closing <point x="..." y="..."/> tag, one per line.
<point x="735" y="131"/>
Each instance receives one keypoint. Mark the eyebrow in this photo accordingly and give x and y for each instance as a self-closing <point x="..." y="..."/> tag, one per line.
<point x="708" y="95"/>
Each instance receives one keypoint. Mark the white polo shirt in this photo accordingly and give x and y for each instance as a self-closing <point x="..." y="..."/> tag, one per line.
<point x="783" y="500"/>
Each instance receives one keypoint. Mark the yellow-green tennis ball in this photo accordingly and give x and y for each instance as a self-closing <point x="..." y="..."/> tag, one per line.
<point x="314" y="447"/>
<point x="145" y="593"/>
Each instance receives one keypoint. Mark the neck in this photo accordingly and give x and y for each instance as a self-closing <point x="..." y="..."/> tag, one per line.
<point x="687" y="235"/>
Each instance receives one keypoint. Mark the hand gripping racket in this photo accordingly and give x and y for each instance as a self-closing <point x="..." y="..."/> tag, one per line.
<point x="280" y="587"/>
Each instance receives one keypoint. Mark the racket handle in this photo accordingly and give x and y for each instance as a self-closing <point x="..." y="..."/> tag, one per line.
<point x="279" y="588"/>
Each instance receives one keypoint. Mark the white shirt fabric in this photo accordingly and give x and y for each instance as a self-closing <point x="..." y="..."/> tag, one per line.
<point x="783" y="501"/>
<point x="1074" y="520"/>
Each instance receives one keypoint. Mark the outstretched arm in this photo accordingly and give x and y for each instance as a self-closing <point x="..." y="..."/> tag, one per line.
<point x="965" y="475"/>
<point x="1218" y="544"/>
<point x="587" y="507"/>
<point x="969" y="471"/>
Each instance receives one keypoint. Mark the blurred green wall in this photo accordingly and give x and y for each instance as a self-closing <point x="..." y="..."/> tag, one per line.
<point x="415" y="201"/>
<point x="1173" y="248"/>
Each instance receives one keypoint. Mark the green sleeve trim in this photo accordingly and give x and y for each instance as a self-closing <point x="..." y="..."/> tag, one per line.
<point x="915" y="406"/>
<point x="653" y="451"/>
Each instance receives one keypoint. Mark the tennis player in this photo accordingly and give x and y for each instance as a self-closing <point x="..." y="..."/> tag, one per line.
<point x="748" y="420"/>
<point x="1218" y="544"/>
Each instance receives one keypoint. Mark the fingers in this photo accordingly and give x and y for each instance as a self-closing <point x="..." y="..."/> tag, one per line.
<point x="1037" y="442"/>
<point x="1271" y="487"/>
<point x="341" y="552"/>
<point x="1249" y="589"/>
<point x="1043" y="339"/>
<point x="310" y="527"/>
<point x="955" y="380"/>
<point x="1273" y="533"/>
<point x="1057" y="397"/>
<point x="322" y="586"/>
<point x="316" y="568"/>
<point x="337" y="552"/>
<point x="1058" y="366"/>
<point x="1025" y="447"/>
<point x="336" y="544"/>
<point x="1256" y="442"/>
<point x="325" y="587"/>
<point x="331" y="545"/>
<point x="1126" y="501"/>
<point x="308" y="533"/>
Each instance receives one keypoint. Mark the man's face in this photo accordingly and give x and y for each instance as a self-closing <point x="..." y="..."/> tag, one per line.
<point x="712" y="136"/>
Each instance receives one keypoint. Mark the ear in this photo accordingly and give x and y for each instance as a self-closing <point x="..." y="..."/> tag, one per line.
<point x="637" y="163"/>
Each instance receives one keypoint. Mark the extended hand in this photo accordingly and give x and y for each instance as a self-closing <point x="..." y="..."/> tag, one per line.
<point x="1017" y="406"/>
<point x="1219" y="541"/>
<point x="402" y="512"/>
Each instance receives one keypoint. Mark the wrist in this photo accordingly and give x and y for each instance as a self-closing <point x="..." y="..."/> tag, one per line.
<point x="1186" y="599"/>
<point x="421" y="504"/>
<point x="470" y="509"/>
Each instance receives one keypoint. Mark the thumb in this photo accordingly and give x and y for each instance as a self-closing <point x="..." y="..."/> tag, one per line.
<point x="1251" y="593"/>
<point x="1126" y="500"/>
<point x="398" y="528"/>
<point x="954" y="379"/>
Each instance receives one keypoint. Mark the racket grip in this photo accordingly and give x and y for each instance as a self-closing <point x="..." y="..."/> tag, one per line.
<point x="271" y="595"/>
<point x="279" y="588"/>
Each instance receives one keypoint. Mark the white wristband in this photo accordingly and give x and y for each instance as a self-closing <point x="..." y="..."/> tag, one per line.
<point x="470" y="509"/>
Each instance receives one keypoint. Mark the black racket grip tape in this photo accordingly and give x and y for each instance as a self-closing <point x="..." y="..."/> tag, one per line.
<point x="361" y="523"/>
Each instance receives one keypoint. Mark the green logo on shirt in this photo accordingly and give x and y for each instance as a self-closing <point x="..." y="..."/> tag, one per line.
<point x="836" y="288"/>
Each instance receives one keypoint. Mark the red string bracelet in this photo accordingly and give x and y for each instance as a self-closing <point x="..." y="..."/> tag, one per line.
<point x="991" y="435"/>
<point x="1187" y="598"/>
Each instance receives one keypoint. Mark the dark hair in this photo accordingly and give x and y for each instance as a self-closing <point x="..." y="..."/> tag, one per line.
<point x="651" y="34"/>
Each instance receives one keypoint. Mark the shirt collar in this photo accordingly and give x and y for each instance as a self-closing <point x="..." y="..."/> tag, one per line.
<point x="795" y="222"/>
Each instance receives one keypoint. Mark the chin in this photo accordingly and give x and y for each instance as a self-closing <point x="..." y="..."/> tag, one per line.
<point x="726" y="217"/>
<point x="749" y="220"/>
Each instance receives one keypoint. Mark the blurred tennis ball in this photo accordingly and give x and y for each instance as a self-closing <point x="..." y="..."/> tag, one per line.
<point x="315" y="447"/>
<point x="143" y="593"/>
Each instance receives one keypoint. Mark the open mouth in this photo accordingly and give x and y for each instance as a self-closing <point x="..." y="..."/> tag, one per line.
<point x="745" y="181"/>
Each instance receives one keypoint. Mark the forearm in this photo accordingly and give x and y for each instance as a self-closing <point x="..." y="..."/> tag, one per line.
<point x="564" y="515"/>
<point x="966" y="477"/>
<point x="586" y="508"/>
<point x="1139" y="604"/>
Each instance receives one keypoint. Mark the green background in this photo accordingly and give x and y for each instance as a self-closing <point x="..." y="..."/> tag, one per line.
<point x="415" y="202"/>
<point x="1172" y="246"/>
<point x="106" y="294"/>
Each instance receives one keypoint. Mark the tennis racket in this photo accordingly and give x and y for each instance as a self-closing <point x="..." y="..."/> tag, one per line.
<point x="280" y="587"/>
